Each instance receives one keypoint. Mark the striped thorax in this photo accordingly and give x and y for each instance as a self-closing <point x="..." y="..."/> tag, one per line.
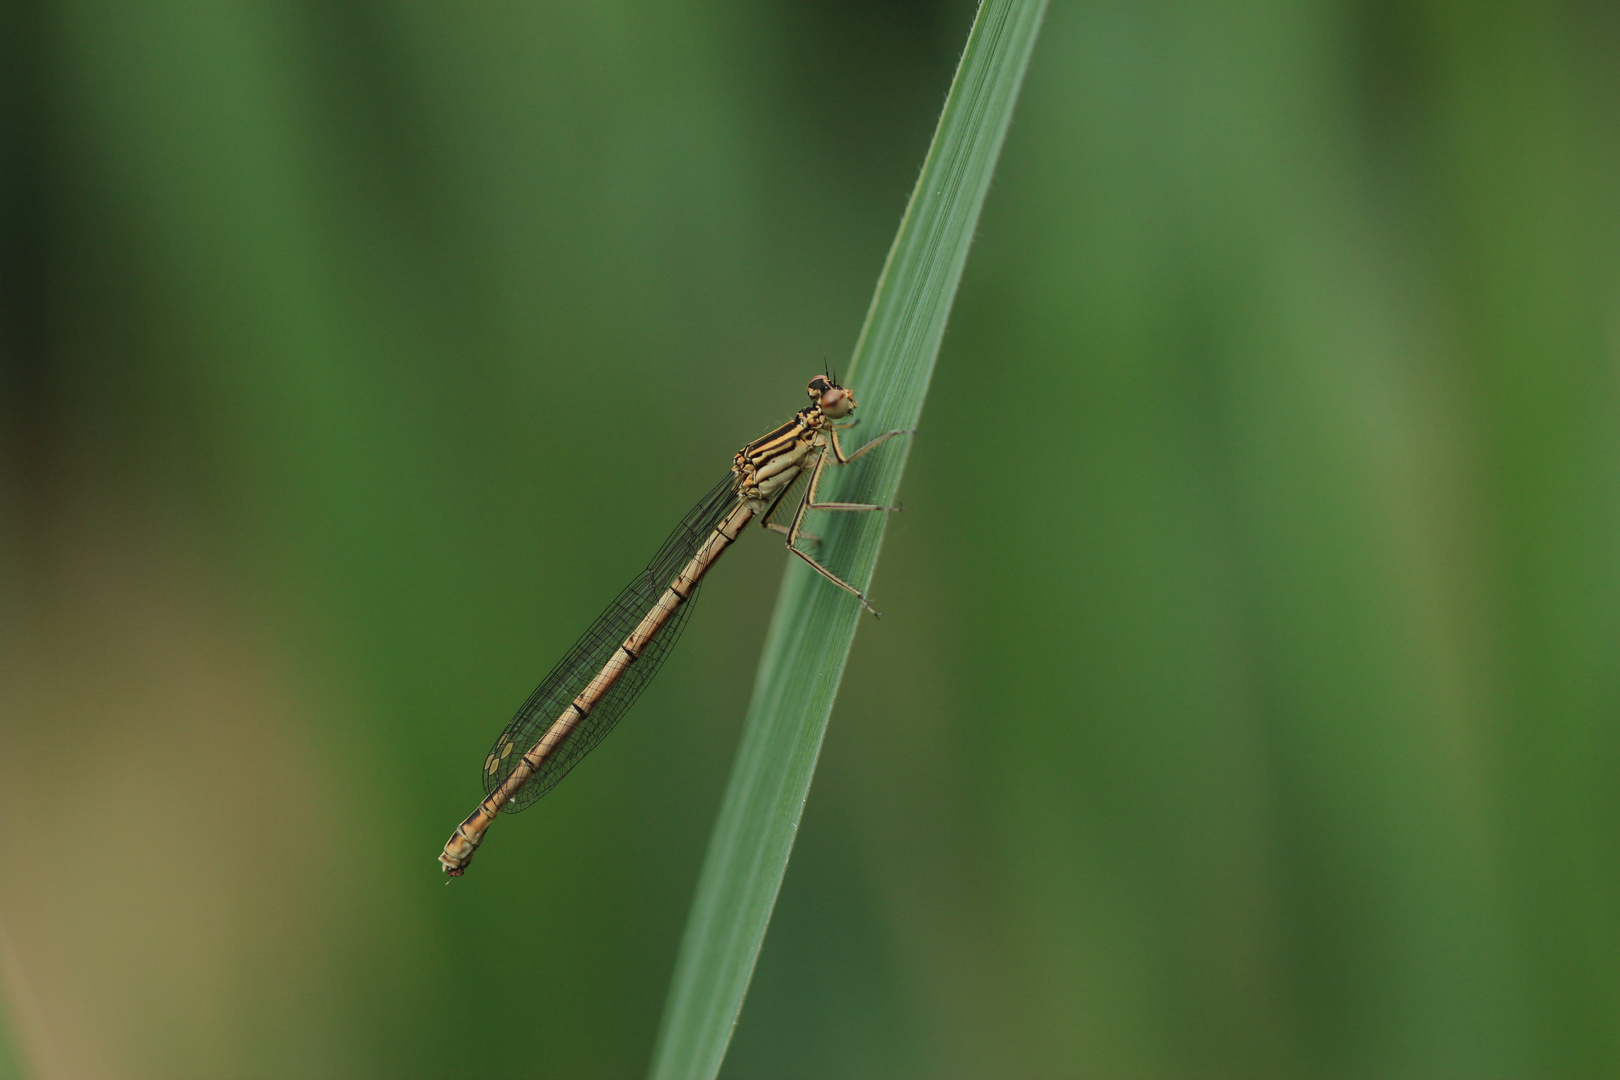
<point x="768" y="466"/>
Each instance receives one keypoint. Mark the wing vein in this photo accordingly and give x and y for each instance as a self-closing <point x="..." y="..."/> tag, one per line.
<point x="592" y="652"/>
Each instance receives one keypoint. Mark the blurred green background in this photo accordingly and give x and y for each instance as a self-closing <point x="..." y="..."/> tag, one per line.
<point x="1246" y="701"/>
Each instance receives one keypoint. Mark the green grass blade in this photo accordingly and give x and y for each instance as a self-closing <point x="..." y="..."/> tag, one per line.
<point x="815" y="623"/>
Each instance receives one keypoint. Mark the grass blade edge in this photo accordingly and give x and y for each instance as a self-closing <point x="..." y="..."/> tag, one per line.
<point x="814" y="624"/>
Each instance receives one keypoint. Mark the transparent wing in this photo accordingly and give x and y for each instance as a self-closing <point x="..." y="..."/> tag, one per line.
<point x="593" y="650"/>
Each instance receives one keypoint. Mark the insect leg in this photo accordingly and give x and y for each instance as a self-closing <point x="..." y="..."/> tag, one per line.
<point x="809" y="496"/>
<point x="783" y="529"/>
<point x="793" y="533"/>
<point x="838" y="451"/>
<point x="838" y="581"/>
<point x="852" y="506"/>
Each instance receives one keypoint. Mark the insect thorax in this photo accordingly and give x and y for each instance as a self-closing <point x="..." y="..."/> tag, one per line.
<point x="773" y="461"/>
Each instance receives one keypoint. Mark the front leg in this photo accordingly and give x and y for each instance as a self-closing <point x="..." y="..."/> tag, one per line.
<point x="838" y="450"/>
<point x="838" y="455"/>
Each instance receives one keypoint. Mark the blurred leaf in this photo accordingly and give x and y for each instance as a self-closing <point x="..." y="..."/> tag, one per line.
<point x="814" y="624"/>
<point x="10" y="1063"/>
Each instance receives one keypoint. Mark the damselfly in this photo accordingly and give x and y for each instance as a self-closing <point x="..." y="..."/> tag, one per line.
<point x="586" y="693"/>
